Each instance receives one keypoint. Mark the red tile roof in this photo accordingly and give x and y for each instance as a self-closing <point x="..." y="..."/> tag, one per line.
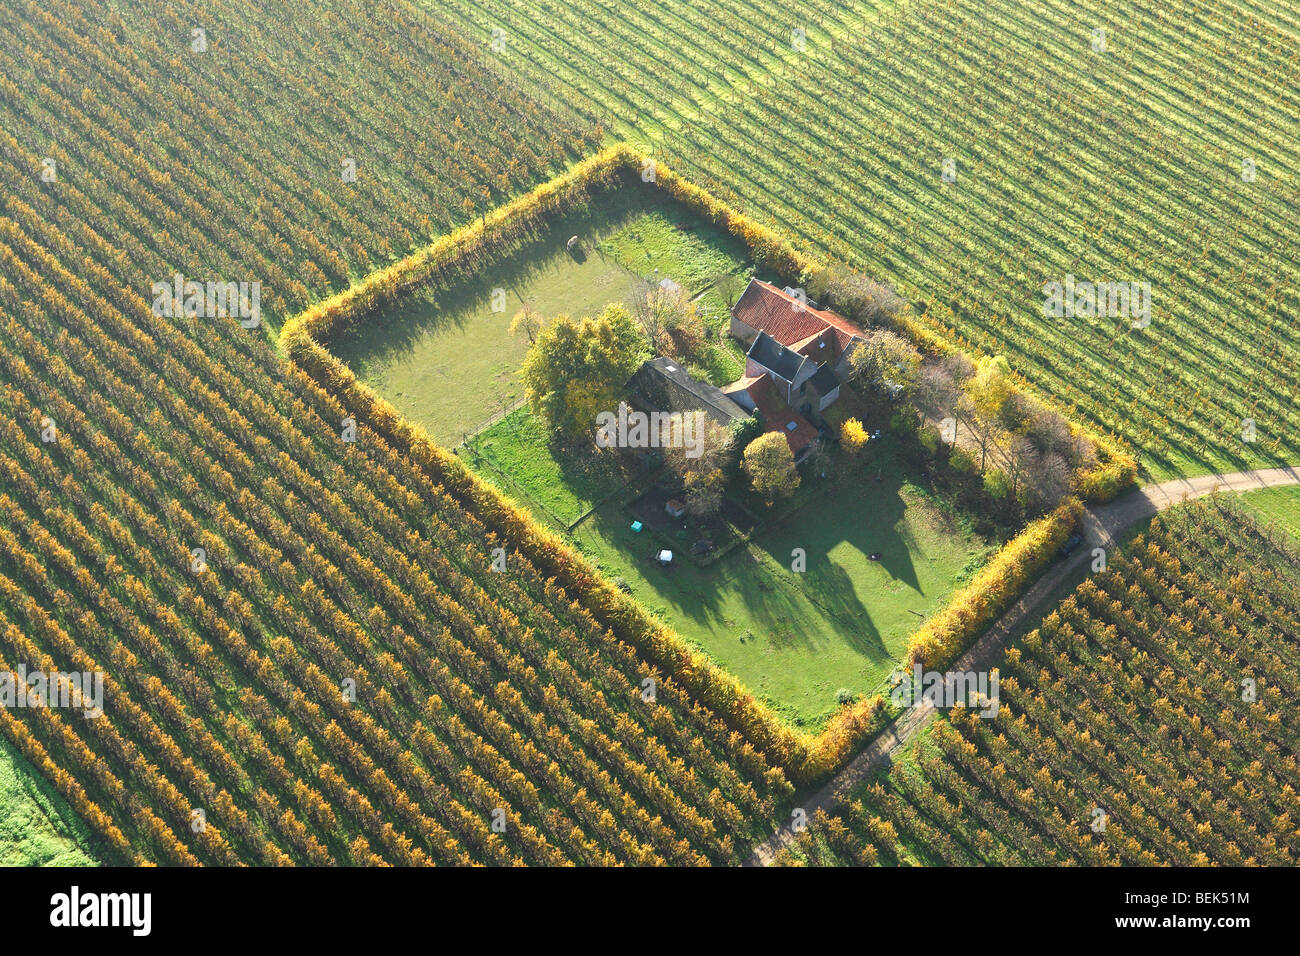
<point x="824" y="346"/>
<point x="766" y="308"/>
<point x="778" y="416"/>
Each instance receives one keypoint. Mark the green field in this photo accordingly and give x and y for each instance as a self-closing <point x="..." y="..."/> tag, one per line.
<point x="517" y="455"/>
<point x="37" y="828"/>
<point x="449" y="363"/>
<point x="793" y="639"/>
<point x="1123" y="163"/>
<point x="1276" y="506"/>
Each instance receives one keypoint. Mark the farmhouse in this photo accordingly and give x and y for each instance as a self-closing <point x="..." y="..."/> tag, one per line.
<point x="795" y="323"/>
<point x="793" y="365"/>
<point x="796" y="355"/>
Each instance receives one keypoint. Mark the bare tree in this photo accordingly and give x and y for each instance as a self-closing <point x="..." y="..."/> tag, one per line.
<point x="885" y="359"/>
<point x="708" y="449"/>
<point x="1040" y="479"/>
<point x="864" y="300"/>
<point x="935" y="389"/>
<point x="958" y="367"/>
<point x="1053" y="435"/>
<point x="704" y="492"/>
<point x="669" y="319"/>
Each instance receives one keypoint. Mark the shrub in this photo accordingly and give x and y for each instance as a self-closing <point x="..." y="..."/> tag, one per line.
<point x="853" y="437"/>
<point x="998" y="484"/>
<point x="961" y="462"/>
<point x="904" y="423"/>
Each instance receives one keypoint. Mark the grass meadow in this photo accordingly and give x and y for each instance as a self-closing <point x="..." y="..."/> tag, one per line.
<point x="449" y="362"/>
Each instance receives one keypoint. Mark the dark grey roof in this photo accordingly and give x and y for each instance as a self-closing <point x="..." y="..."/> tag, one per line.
<point x="824" y="379"/>
<point x="775" y="357"/>
<point x="662" y="384"/>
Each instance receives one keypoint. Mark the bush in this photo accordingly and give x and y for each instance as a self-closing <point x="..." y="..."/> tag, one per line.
<point x="904" y="423"/>
<point x="742" y="433"/>
<point x="1106" y="482"/>
<point x="961" y="462"/>
<point x="853" y="437"/>
<point x="997" y="483"/>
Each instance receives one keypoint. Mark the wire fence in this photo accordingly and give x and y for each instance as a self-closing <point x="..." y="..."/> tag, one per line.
<point x="487" y="423"/>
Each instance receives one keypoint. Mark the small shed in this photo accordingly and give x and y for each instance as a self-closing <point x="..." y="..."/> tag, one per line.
<point x="665" y="557"/>
<point x="675" y="508"/>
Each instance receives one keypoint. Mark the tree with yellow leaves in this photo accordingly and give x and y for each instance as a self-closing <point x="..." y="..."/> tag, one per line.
<point x="853" y="437"/>
<point x="576" y="370"/>
<point x="770" y="465"/>
<point x="987" y="392"/>
<point x="528" y="322"/>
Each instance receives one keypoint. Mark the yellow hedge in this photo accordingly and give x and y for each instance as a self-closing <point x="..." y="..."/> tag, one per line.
<point x="994" y="589"/>
<point x="322" y="319"/>
<point x="713" y="687"/>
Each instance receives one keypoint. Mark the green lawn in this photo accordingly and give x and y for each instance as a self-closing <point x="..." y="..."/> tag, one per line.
<point x="1276" y="506"/>
<point x="565" y="485"/>
<point x="37" y="828"/>
<point x="448" y="361"/>
<point x="655" y="245"/>
<point x="796" y="639"/>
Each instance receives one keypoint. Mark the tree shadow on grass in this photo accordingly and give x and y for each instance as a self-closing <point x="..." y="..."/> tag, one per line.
<point x="776" y="608"/>
<point x="393" y="334"/>
<point x="591" y="474"/>
<point x="869" y="517"/>
<point x="855" y="510"/>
